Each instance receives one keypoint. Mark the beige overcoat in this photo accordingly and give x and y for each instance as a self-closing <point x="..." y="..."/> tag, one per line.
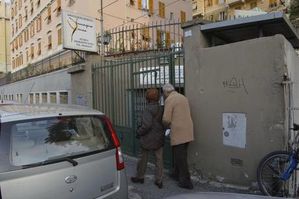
<point x="177" y="115"/>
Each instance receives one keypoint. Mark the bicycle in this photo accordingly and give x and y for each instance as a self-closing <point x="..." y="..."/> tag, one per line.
<point x="276" y="168"/>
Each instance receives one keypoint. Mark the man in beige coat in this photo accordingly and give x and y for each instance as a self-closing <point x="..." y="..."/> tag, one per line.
<point x="177" y="117"/>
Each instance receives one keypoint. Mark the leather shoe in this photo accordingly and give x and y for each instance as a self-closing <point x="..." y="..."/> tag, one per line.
<point x="159" y="184"/>
<point x="137" y="180"/>
<point x="186" y="186"/>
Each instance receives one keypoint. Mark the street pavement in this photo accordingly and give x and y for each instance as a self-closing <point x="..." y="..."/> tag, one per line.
<point x="170" y="189"/>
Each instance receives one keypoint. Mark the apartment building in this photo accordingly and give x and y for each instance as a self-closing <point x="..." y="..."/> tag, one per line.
<point x="36" y="25"/>
<point x="218" y="10"/>
<point x="4" y="36"/>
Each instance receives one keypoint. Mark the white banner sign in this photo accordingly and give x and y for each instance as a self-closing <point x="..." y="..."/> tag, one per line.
<point x="79" y="32"/>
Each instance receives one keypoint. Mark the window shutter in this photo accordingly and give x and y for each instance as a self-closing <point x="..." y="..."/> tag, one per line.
<point x="151" y="7"/>
<point x="139" y="4"/>
<point x="183" y="17"/>
<point x="158" y="38"/>
<point x="168" y="39"/>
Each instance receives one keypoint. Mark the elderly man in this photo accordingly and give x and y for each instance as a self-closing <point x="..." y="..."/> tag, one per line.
<point x="177" y="117"/>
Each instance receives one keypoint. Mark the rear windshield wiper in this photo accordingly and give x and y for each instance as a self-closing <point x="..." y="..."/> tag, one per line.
<point x="52" y="161"/>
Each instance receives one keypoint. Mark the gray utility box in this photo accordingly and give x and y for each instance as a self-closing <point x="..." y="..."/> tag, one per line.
<point x="242" y="97"/>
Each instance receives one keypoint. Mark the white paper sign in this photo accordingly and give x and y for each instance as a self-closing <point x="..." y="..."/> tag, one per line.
<point x="79" y="32"/>
<point x="234" y="129"/>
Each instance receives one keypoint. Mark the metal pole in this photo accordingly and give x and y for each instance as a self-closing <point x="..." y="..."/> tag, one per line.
<point x="102" y="30"/>
<point x="5" y="39"/>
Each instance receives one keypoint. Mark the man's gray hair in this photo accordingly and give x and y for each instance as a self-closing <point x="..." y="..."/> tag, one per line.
<point x="168" y="88"/>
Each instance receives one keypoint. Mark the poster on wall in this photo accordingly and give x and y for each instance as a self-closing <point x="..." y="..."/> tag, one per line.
<point x="79" y="32"/>
<point x="234" y="129"/>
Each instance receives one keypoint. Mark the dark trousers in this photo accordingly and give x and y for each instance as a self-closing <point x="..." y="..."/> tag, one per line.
<point x="180" y="163"/>
<point x="142" y="164"/>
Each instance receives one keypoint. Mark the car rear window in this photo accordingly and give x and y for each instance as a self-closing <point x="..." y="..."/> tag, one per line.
<point x="38" y="140"/>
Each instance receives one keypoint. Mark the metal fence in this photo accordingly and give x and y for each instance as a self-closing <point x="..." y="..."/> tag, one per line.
<point x="57" y="61"/>
<point x="142" y="37"/>
<point x="119" y="86"/>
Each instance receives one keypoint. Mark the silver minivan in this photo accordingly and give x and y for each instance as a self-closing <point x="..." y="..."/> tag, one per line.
<point x="59" y="151"/>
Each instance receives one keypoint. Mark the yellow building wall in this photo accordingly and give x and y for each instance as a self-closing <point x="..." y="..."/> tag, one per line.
<point x="4" y="37"/>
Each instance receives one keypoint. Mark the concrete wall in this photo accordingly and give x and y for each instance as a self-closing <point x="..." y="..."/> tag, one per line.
<point x="243" y="79"/>
<point x="82" y="82"/>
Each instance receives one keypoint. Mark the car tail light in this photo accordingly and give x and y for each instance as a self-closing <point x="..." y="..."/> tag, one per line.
<point x="120" y="164"/>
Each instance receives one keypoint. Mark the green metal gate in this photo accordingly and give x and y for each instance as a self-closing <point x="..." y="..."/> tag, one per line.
<point x="119" y="86"/>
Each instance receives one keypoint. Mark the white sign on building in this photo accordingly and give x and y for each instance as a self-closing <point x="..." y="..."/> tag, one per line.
<point x="79" y="32"/>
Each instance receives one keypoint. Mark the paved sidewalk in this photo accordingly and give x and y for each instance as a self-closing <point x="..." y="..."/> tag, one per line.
<point x="149" y="191"/>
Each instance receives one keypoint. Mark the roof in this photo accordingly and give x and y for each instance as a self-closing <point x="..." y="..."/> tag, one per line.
<point x="252" y="27"/>
<point x="14" y="112"/>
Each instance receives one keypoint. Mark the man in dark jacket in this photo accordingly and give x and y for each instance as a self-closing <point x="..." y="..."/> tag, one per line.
<point x="151" y="134"/>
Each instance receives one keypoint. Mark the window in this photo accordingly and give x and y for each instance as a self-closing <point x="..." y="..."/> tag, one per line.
<point x="54" y="138"/>
<point x="39" y="24"/>
<point x="146" y="5"/>
<point x="32" y="7"/>
<point x="20" y="97"/>
<point x="163" y="39"/>
<point x="63" y="97"/>
<point x="183" y="17"/>
<point x="171" y="16"/>
<point x="59" y="36"/>
<point x="49" y="14"/>
<point x="222" y="16"/>
<point x="12" y="30"/>
<point x="58" y="8"/>
<point x="53" y="99"/>
<point x="20" y="21"/>
<point x="49" y="41"/>
<point x="32" y="51"/>
<point x="21" y="40"/>
<point x="17" y="27"/>
<point x="32" y="30"/>
<point x="253" y="5"/>
<point x="39" y="47"/>
<point x="132" y="2"/>
<point x="20" y="4"/>
<point x="38" y="3"/>
<point x="12" y="13"/>
<point x="44" y="97"/>
<point x="161" y="9"/>
<point x="26" y="13"/>
<point x="31" y="97"/>
<point x="13" y="63"/>
<point x="36" y="98"/>
<point x="145" y="33"/>
<point x="27" y="56"/>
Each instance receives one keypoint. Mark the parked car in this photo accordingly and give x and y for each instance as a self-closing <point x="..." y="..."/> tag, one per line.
<point x="55" y="151"/>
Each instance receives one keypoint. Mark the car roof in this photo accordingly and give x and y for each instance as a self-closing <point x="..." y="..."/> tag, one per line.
<point x="15" y="112"/>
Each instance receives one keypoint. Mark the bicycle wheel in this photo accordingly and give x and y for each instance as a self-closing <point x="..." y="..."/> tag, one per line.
<point x="269" y="172"/>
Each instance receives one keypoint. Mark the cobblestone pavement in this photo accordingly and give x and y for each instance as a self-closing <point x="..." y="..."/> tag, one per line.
<point x="149" y="191"/>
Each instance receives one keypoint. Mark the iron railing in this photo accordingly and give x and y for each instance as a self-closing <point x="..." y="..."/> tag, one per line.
<point x="142" y="37"/>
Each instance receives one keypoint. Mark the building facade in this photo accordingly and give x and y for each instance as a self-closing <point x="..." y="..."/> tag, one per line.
<point x="4" y="36"/>
<point x="218" y="10"/>
<point x="36" y="25"/>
